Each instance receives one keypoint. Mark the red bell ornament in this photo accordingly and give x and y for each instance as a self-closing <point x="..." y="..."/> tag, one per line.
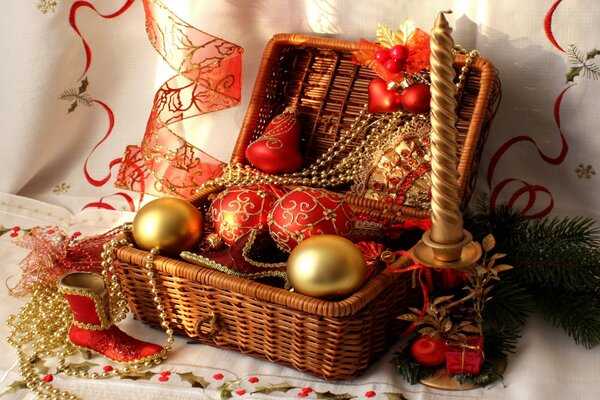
<point x="277" y="150"/>
<point x="306" y="212"/>
<point x="382" y="100"/>
<point x="240" y="209"/>
<point x="416" y="98"/>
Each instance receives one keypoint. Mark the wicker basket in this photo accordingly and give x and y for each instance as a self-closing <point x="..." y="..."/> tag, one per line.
<point x="330" y="339"/>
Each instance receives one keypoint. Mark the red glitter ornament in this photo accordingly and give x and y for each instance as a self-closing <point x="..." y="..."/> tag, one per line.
<point x="240" y="209"/>
<point x="277" y="150"/>
<point x="306" y="212"/>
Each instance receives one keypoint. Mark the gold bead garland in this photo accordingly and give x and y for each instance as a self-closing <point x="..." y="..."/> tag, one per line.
<point x="42" y="326"/>
<point x="375" y="128"/>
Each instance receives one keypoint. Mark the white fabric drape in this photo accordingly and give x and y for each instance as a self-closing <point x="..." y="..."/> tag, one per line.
<point x="44" y="148"/>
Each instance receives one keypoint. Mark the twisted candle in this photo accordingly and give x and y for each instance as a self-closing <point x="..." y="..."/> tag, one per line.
<point x="446" y="218"/>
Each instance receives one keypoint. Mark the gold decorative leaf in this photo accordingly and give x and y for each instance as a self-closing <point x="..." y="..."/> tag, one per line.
<point x="447" y="326"/>
<point x="497" y="256"/>
<point x="407" y="317"/>
<point x="415" y="310"/>
<point x="442" y="299"/>
<point x="502" y="268"/>
<point x="488" y="242"/>
<point x="471" y="329"/>
<point x="428" y="330"/>
<point x="406" y="31"/>
<point x="387" y="37"/>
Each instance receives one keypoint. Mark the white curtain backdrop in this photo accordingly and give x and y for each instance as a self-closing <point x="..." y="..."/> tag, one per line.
<point x="44" y="147"/>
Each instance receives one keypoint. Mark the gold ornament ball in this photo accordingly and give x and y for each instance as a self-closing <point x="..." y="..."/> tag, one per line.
<point x="326" y="266"/>
<point x="172" y="225"/>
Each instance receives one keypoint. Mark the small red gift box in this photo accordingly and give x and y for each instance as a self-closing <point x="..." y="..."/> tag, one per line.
<point x="466" y="357"/>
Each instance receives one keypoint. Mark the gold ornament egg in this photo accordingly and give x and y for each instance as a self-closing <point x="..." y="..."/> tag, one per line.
<point x="170" y="224"/>
<point x="326" y="266"/>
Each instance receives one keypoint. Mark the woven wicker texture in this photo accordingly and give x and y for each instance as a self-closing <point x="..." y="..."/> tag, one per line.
<point x="333" y="340"/>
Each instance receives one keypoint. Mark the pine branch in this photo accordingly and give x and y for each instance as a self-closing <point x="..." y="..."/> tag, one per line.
<point x="510" y="306"/>
<point x="410" y="370"/>
<point x="556" y="260"/>
<point x="579" y="316"/>
<point x="75" y="95"/>
<point x="582" y="62"/>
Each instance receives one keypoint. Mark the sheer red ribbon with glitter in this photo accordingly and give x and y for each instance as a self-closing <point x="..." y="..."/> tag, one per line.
<point x="208" y="79"/>
<point x="54" y="253"/>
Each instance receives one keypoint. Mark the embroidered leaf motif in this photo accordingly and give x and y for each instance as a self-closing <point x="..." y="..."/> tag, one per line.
<point x="83" y="86"/>
<point x="13" y="388"/>
<point x="195" y="380"/>
<point x="585" y="171"/>
<point x="77" y="96"/>
<point x="39" y="364"/>
<point x="582" y="64"/>
<point x="83" y="366"/>
<point x="329" y="395"/>
<point x="395" y="396"/>
<point x="274" y="387"/>
<point x="224" y="392"/>
<point x="136" y="376"/>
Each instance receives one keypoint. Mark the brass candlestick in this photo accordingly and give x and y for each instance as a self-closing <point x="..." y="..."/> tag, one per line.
<point x="446" y="244"/>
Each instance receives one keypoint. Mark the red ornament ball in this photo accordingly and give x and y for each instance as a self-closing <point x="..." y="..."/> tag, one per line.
<point x="416" y="98"/>
<point x="306" y="212"/>
<point x="382" y="55"/>
<point x="239" y="209"/>
<point x="399" y="53"/>
<point x="428" y="350"/>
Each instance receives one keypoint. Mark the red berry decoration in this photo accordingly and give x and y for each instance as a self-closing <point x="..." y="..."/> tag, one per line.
<point x="399" y="53"/>
<point x="393" y="66"/>
<point x="416" y="98"/>
<point x="428" y="350"/>
<point x="382" y="55"/>
<point x="239" y="209"/>
<point x="306" y="212"/>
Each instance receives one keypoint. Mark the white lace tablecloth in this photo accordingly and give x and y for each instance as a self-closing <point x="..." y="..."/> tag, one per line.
<point x="547" y="366"/>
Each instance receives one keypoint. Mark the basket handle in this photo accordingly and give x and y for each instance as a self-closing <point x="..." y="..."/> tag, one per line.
<point x="213" y="323"/>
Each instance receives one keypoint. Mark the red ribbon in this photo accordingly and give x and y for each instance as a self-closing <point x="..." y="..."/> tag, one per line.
<point x="208" y="79"/>
<point x="53" y="253"/>
<point x="426" y="284"/>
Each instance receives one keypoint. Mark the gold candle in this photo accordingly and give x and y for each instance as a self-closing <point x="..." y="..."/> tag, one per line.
<point x="446" y="244"/>
<point x="446" y="218"/>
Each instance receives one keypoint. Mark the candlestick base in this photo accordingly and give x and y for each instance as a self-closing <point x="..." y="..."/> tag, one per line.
<point x="456" y="256"/>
